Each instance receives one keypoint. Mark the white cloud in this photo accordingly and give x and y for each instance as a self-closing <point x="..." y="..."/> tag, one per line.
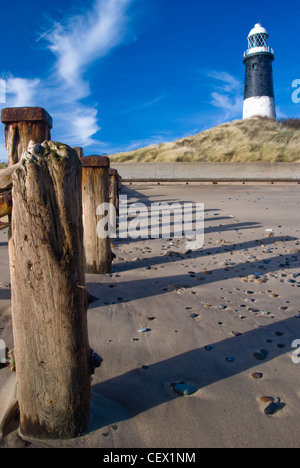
<point x="76" y="44"/>
<point x="21" y="92"/>
<point x="228" y="95"/>
<point x="80" y="124"/>
<point x="87" y="38"/>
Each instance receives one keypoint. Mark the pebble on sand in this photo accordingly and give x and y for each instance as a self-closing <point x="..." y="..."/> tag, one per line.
<point x="257" y="376"/>
<point x="230" y="359"/>
<point x="260" y="356"/>
<point x="208" y="348"/>
<point x="184" y="389"/>
<point x="266" y="399"/>
<point x="273" y="407"/>
<point x="236" y="333"/>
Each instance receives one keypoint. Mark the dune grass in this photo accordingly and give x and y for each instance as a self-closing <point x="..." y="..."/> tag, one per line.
<point x="257" y="139"/>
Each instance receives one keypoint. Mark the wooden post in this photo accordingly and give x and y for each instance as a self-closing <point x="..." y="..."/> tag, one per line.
<point x="79" y="151"/>
<point x="49" y="298"/>
<point x="23" y="124"/>
<point x="114" y="188"/>
<point x="95" y="191"/>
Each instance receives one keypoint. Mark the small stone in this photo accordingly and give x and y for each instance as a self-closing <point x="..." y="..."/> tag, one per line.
<point x="266" y="399"/>
<point x="144" y="330"/>
<point x="208" y="348"/>
<point x="230" y="359"/>
<point x="260" y="356"/>
<point x="184" y="389"/>
<point x="257" y="376"/>
<point x="194" y="315"/>
<point x="236" y="333"/>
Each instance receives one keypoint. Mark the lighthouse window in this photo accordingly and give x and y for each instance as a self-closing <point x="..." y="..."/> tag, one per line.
<point x="254" y="66"/>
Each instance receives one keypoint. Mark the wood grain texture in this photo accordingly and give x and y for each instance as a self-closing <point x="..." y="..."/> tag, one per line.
<point x="49" y="299"/>
<point x="95" y="191"/>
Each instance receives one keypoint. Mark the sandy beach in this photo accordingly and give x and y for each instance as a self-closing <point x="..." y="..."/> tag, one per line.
<point x="221" y="319"/>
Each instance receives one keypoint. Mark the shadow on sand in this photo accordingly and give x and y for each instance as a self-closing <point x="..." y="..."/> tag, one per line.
<point x="141" y="389"/>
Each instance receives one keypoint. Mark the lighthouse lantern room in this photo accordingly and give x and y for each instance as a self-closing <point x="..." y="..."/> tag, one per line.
<point x="259" y="97"/>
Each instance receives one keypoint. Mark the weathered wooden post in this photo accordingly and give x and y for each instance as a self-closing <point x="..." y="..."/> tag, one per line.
<point x="49" y="299"/>
<point x="95" y="191"/>
<point x="79" y="151"/>
<point x="114" y="188"/>
<point x="22" y="125"/>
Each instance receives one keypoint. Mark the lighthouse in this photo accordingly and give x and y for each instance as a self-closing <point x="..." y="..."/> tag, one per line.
<point x="259" y="97"/>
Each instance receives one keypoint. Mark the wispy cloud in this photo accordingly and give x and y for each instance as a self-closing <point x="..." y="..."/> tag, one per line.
<point x="21" y="91"/>
<point x="80" y="124"/>
<point x="228" y="94"/>
<point x="141" y="105"/>
<point x="87" y="38"/>
<point x="76" y="44"/>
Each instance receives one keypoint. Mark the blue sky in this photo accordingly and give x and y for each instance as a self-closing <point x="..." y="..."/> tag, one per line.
<point x="121" y="74"/>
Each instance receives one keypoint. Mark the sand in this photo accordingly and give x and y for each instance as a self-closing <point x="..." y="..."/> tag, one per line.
<point x="242" y="291"/>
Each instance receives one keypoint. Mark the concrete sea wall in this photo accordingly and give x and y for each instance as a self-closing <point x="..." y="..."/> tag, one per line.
<point x="209" y="172"/>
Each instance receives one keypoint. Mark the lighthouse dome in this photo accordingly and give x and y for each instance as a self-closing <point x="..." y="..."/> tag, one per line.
<point x="258" y="29"/>
<point x="258" y="41"/>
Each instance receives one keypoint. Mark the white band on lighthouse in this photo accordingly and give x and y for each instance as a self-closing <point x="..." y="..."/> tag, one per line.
<point x="263" y="106"/>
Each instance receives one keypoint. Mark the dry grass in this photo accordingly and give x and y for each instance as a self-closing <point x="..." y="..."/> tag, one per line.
<point x="256" y="139"/>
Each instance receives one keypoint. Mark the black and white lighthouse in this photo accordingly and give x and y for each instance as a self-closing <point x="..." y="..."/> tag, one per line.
<point x="259" y="97"/>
